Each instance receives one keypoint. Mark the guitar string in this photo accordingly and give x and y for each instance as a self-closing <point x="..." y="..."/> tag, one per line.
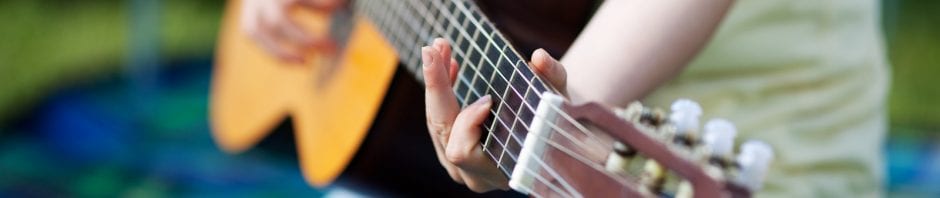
<point x="470" y="66"/>
<point x="552" y="172"/>
<point x="572" y="153"/>
<point x="566" y="149"/>
<point x="437" y="27"/>
<point x="515" y="70"/>
<point x="530" y="107"/>
<point x="577" y="156"/>
<point x="564" y="133"/>
<point x="599" y="167"/>
<point x="516" y="92"/>
<point x="540" y="179"/>
<point x="495" y="112"/>
<point x="526" y="127"/>
<point x="503" y="123"/>
<point x="549" y="184"/>
<point x="398" y="36"/>
<point x="548" y="169"/>
<point x="568" y="118"/>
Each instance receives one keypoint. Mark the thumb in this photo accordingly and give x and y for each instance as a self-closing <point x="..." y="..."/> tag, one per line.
<point x="550" y="69"/>
<point x="463" y="148"/>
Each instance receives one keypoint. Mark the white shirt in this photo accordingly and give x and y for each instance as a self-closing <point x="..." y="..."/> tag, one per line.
<point x="810" y="78"/>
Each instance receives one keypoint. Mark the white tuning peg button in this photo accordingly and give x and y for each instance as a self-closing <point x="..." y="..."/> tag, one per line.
<point x="685" y="114"/>
<point x="719" y="136"/>
<point x="754" y="159"/>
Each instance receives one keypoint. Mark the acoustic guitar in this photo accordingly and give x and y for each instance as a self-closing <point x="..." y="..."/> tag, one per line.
<point x="546" y="146"/>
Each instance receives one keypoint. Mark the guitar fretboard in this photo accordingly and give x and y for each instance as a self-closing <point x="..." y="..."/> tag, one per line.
<point x="488" y="64"/>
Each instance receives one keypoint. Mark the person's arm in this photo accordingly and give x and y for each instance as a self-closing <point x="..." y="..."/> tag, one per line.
<point x="628" y="49"/>
<point x="631" y="47"/>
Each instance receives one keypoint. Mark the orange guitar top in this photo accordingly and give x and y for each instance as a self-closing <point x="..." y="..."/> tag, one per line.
<point x="332" y="101"/>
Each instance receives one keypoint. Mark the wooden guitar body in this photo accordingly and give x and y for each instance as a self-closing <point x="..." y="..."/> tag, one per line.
<point x="332" y="100"/>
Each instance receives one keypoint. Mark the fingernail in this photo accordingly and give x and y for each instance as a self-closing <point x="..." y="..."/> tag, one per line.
<point x="545" y="55"/>
<point x="485" y="100"/>
<point x="440" y="41"/>
<point x="542" y="51"/>
<point x="425" y="58"/>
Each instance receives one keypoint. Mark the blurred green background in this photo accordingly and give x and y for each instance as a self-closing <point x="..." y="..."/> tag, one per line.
<point x="126" y="83"/>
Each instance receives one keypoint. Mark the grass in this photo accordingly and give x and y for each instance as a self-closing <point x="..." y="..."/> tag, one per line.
<point x="48" y="43"/>
<point x="914" y="52"/>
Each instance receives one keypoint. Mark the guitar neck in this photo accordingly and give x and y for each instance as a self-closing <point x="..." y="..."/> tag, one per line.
<point x="489" y="65"/>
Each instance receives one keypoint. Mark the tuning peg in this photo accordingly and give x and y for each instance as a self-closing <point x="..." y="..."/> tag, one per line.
<point x="754" y="159"/>
<point x="719" y="136"/>
<point x="685" y="114"/>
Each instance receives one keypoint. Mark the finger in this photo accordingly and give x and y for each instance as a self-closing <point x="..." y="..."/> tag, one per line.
<point x="464" y="150"/>
<point x="267" y="40"/>
<point x="442" y="58"/>
<point x="440" y="100"/>
<point x="250" y="20"/>
<point x="453" y="71"/>
<point x="293" y="32"/>
<point x="441" y="106"/>
<point x="303" y="40"/>
<point x="452" y="170"/>
<point x="477" y="184"/>
<point x="489" y="179"/>
<point x="258" y="21"/>
<point x="485" y="183"/>
<point x="444" y="47"/>
<point x="550" y="69"/>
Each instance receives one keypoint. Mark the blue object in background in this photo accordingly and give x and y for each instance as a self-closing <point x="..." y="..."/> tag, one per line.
<point x="87" y="141"/>
<point x="913" y="164"/>
<point x="73" y="126"/>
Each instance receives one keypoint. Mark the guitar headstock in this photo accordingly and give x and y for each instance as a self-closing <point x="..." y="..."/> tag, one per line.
<point x="589" y="150"/>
